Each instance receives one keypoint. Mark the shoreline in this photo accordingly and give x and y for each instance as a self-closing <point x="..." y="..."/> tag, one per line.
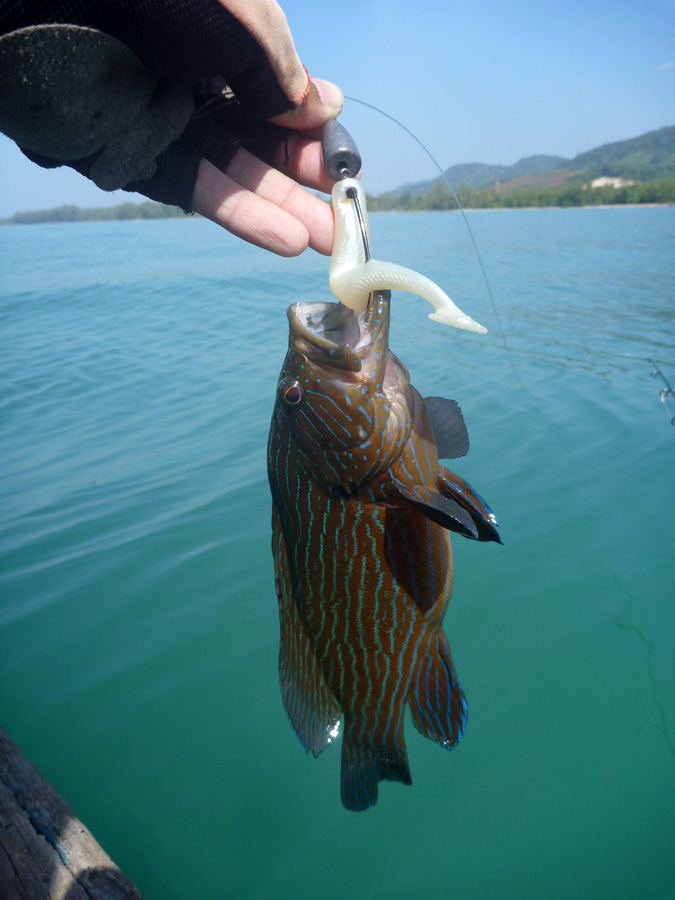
<point x="406" y="212"/>
<point x="379" y="212"/>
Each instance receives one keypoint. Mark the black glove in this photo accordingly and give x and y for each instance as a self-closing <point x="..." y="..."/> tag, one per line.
<point x="135" y="93"/>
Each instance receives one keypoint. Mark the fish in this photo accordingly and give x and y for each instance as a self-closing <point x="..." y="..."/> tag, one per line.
<point x="362" y="511"/>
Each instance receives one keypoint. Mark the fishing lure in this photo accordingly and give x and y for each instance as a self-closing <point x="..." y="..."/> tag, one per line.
<point x="353" y="274"/>
<point x="362" y="510"/>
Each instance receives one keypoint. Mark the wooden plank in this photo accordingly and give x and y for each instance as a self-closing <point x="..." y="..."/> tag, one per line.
<point x="46" y="853"/>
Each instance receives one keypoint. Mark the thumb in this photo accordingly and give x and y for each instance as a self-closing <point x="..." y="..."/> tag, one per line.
<point x="323" y="101"/>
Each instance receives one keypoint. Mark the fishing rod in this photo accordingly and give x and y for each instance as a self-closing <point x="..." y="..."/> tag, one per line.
<point x="664" y="392"/>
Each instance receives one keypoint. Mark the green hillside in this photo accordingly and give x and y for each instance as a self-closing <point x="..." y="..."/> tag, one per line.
<point x="648" y="157"/>
<point x="476" y="174"/>
<point x="643" y="158"/>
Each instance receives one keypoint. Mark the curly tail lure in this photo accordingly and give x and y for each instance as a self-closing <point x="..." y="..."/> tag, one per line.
<point x="353" y="274"/>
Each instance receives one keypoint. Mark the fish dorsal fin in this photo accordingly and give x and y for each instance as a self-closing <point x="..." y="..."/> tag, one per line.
<point x="440" y="509"/>
<point x="311" y="707"/>
<point x="452" y="438"/>
<point x="437" y="702"/>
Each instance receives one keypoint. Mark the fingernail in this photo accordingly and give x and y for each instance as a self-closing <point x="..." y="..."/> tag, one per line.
<point x="330" y="94"/>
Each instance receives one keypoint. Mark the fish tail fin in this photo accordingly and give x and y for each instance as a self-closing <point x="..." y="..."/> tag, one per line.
<point x="363" y="766"/>
<point x="437" y="704"/>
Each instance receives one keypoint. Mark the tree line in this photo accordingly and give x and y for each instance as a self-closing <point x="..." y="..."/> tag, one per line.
<point x="124" y="212"/>
<point x="440" y="197"/>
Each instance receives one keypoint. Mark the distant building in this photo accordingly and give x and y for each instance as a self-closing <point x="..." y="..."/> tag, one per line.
<point x="611" y="182"/>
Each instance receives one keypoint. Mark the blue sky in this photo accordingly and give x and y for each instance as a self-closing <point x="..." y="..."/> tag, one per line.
<point x="479" y="81"/>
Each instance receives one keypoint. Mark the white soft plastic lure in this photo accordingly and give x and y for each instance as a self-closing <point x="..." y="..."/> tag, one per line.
<point x="352" y="278"/>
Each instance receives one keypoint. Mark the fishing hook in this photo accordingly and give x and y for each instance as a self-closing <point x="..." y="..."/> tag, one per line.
<point x="351" y="193"/>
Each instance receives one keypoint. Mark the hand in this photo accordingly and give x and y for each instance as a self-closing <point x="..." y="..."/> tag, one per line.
<point x="210" y="93"/>
<point x="266" y="206"/>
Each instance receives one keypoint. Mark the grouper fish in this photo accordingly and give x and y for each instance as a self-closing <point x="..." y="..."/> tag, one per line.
<point x="362" y="510"/>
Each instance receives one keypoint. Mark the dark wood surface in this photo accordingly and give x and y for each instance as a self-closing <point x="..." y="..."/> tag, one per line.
<point x="46" y="853"/>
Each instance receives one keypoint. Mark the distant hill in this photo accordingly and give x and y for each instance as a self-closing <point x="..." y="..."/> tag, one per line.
<point x="643" y="158"/>
<point x="476" y="174"/>
<point x="646" y="158"/>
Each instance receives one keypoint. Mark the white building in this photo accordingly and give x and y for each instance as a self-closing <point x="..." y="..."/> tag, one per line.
<point x="611" y="182"/>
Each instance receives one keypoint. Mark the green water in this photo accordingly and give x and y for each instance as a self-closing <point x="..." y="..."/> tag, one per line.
<point x="138" y="621"/>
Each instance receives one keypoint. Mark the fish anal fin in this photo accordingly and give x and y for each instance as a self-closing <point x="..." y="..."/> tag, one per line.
<point x="452" y="438"/>
<point x="437" y="703"/>
<point x="364" y="766"/>
<point x="313" y="711"/>
<point x="459" y="490"/>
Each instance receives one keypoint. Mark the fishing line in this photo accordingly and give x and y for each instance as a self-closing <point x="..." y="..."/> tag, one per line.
<point x="665" y="392"/>
<point x="466" y="222"/>
<point x="625" y="626"/>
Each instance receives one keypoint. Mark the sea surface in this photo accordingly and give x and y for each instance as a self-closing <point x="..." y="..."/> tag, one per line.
<point x="138" y="618"/>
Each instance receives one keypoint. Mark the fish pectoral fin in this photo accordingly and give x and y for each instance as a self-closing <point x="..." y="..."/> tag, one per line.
<point x="363" y="766"/>
<point x="435" y="506"/>
<point x="437" y="704"/>
<point x="312" y="709"/>
<point x="452" y="438"/>
<point x="459" y="490"/>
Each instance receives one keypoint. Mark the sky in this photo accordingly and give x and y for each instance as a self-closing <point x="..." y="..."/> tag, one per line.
<point x="488" y="81"/>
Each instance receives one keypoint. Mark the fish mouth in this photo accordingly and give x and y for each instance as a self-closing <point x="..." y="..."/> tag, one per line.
<point x="331" y="334"/>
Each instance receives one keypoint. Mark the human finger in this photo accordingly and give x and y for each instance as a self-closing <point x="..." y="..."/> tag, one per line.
<point x="301" y="159"/>
<point x="272" y="215"/>
<point x="284" y="192"/>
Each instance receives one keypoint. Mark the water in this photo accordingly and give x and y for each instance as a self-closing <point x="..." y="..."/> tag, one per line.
<point x="138" y="623"/>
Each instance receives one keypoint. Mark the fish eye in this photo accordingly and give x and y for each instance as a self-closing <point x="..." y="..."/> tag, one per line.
<point x="290" y="392"/>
